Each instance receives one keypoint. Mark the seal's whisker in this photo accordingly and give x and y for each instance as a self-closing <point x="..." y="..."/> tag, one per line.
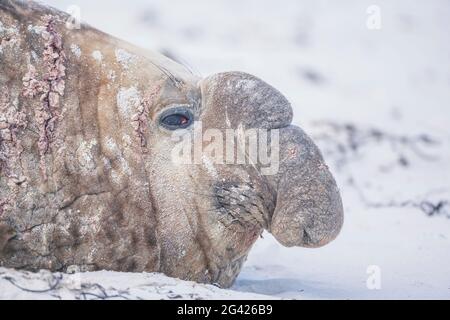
<point x="177" y="82"/>
<point x="189" y="67"/>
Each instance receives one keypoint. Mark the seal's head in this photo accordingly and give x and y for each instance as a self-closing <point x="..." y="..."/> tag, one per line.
<point x="114" y="158"/>
<point x="228" y="165"/>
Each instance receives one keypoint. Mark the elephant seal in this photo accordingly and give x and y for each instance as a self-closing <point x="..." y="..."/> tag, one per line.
<point x="87" y="125"/>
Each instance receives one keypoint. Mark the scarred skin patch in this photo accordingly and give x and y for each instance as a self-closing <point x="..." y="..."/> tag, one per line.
<point x="48" y="86"/>
<point x="141" y="118"/>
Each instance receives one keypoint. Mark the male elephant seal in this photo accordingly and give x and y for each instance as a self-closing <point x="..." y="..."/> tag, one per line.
<point x="87" y="182"/>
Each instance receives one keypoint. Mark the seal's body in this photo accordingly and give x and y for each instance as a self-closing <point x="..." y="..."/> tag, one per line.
<point x="86" y="177"/>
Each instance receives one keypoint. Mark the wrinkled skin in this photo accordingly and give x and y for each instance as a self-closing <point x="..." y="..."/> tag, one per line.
<point x="86" y="177"/>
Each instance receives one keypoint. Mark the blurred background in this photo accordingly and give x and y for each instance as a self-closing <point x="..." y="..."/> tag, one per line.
<point x="370" y="82"/>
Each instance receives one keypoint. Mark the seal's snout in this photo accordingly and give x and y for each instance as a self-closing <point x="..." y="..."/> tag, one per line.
<point x="308" y="208"/>
<point x="309" y="211"/>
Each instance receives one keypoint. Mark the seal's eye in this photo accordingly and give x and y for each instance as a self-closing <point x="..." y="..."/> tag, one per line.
<point x="176" y="118"/>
